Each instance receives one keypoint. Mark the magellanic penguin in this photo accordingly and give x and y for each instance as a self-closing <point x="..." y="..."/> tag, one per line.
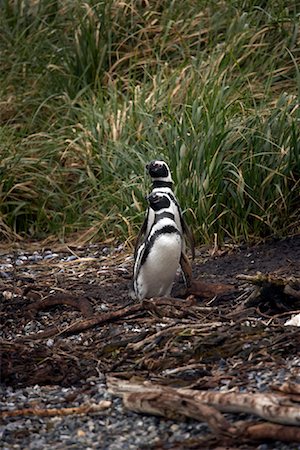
<point x="162" y="183"/>
<point x="158" y="257"/>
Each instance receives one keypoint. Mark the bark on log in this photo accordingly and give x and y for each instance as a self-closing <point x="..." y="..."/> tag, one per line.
<point x="176" y="406"/>
<point x="269" y="431"/>
<point x="277" y="408"/>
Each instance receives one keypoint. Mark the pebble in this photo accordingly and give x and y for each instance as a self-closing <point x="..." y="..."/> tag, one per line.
<point x="71" y="258"/>
<point x="35" y="257"/>
<point x="5" y="275"/>
<point x="51" y="255"/>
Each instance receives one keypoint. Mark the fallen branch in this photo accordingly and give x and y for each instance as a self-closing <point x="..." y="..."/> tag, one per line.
<point x="208" y="290"/>
<point x="82" y="304"/>
<point x="174" y="405"/>
<point x="169" y="306"/>
<point x="176" y="329"/>
<point x="288" y="388"/>
<point x="50" y="412"/>
<point x="276" y="408"/>
<point x="268" y="431"/>
<point x="83" y="325"/>
<point x="260" y="279"/>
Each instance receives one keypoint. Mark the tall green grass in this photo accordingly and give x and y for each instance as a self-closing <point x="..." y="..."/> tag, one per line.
<point x="91" y="91"/>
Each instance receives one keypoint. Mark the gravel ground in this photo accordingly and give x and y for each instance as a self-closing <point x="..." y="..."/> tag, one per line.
<point x="114" y="428"/>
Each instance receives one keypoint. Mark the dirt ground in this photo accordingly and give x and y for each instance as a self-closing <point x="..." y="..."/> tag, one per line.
<point x="68" y="317"/>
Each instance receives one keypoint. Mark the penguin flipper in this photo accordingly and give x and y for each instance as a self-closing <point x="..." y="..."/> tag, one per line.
<point x="141" y="235"/>
<point x="186" y="269"/>
<point x="189" y="236"/>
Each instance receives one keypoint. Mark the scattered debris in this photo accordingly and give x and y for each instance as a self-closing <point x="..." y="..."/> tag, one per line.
<point x="68" y="318"/>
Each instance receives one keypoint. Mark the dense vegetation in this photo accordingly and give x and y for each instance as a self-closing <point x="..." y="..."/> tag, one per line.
<point x="91" y="91"/>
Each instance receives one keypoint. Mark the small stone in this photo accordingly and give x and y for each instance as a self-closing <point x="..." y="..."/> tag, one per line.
<point x="5" y="275"/>
<point x="51" y="256"/>
<point x="71" y="258"/>
<point x="50" y="343"/>
<point x="8" y="295"/>
<point x="81" y="433"/>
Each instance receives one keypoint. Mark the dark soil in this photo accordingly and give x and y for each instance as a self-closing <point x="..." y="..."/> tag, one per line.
<point x="242" y="339"/>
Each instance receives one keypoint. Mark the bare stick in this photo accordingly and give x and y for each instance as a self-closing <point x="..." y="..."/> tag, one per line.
<point x="83" y="325"/>
<point x="47" y="412"/>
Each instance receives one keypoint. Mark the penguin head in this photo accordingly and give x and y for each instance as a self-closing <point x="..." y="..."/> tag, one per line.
<point x="159" y="170"/>
<point x="158" y="201"/>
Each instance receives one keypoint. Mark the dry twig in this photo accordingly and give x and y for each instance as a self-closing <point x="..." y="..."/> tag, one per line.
<point x="85" y="324"/>
<point x="50" y="412"/>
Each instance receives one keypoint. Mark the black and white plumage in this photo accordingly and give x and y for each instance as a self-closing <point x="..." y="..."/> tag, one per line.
<point x="157" y="258"/>
<point x="162" y="183"/>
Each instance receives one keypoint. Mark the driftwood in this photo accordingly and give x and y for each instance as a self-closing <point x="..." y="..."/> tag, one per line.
<point x="208" y="290"/>
<point x="83" y="325"/>
<point x="203" y="290"/>
<point x="177" y="403"/>
<point x="82" y="304"/>
<point x="50" y="412"/>
<point x="162" y="307"/>
<point x="267" y="431"/>
<point x="289" y="286"/>
<point x="283" y="291"/>
<point x="169" y="306"/>
<point x="151" y="341"/>
<point x="262" y="278"/>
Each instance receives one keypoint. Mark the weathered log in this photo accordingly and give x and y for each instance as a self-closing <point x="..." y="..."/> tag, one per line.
<point x="277" y="408"/>
<point x="208" y="290"/>
<point x="174" y="405"/>
<point x="268" y="431"/>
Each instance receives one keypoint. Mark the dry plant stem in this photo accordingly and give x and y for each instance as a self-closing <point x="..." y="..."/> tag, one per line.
<point x="50" y="412"/>
<point x="186" y="268"/>
<point x="261" y="278"/>
<point x="83" y="325"/>
<point x="273" y="407"/>
<point x="177" y="328"/>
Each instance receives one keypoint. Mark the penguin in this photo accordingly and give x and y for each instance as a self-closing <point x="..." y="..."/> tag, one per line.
<point x="158" y="257"/>
<point x="162" y="182"/>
